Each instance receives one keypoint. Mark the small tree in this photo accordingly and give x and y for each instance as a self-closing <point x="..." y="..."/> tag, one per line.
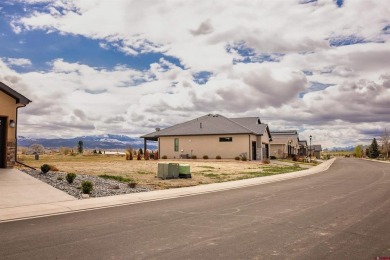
<point x="37" y="148"/>
<point x="80" y="147"/>
<point x="140" y="151"/>
<point x="359" y="151"/>
<point x="374" y="149"/>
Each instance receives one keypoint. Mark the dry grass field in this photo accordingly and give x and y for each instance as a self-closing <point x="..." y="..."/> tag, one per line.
<point x="143" y="172"/>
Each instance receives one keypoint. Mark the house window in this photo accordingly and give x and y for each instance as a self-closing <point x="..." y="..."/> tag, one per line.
<point x="226" y="139"/>
<point x="176" y="144"/>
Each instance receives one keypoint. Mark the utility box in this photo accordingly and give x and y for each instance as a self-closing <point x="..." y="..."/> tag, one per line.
<point x="168" y="170"/>
<point x="184" y="171"/>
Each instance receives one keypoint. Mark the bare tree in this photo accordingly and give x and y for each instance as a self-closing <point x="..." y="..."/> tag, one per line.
<point x="385" y="140"/>
<point x="37" y="148"/>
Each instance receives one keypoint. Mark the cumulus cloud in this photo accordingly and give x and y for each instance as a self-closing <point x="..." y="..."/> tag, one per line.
<point x="312" y="65"/>
<point x="21" y="62"/>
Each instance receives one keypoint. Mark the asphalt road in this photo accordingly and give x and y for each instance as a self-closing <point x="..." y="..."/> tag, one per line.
<point x="343" y="213"/>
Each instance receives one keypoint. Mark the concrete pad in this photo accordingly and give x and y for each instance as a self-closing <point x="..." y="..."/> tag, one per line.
<point x="19" y="189"/>
<point x="61" y="207"/>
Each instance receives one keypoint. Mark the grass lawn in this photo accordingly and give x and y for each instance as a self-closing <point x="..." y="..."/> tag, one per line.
<point x="143" y="172"/>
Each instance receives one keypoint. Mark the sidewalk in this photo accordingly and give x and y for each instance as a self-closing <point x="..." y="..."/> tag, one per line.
<point x="74" y="205"/>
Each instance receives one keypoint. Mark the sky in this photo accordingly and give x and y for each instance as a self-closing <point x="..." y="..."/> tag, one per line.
<point x="93" y="67"/>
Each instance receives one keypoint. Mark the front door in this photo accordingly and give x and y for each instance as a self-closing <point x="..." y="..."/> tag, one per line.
<point x="3" y="128"/>
<point x="253" y="150"/>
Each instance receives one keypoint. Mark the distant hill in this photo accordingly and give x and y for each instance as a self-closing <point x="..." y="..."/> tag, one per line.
<point x="107" y="141"/>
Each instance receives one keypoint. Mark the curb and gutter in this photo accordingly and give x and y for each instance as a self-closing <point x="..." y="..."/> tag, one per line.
<point x="63" y="207"/>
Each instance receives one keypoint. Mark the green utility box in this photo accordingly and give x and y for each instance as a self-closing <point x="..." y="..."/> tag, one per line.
<point x="184" y="171"/>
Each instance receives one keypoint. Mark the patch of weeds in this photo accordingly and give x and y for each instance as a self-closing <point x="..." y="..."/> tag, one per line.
<point x="144" y="172"/>
<point x="60" y="178"/>
<point x="207" y="167"/>
<point x="117" y="178"/>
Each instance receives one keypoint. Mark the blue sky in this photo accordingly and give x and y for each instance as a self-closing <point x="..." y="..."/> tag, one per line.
<point x="299" y="64"/>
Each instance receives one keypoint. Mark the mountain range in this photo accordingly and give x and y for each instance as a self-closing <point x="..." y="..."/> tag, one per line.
<point x="107" y="141"/>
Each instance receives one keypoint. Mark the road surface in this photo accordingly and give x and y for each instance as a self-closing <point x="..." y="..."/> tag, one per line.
<point x="343" y="213"/>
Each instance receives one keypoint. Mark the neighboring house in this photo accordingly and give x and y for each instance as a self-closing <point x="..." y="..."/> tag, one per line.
<point x="10" y="101"/>
<point x="284" y="143"/>
<point x="302" y="151"/>
<point x="214" y="135"/>
<point x="315" y="151"/>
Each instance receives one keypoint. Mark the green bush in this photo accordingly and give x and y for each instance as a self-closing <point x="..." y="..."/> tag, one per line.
<point x="237" y="158"/>
<point x="86" y="187"/>
<point x="70" y="177"/>
<point x="45" y="168"/>
<point x="60" y="178"/>
<point x="205" y="157"/>
<point x="194" y="157"/>
<point x="243" y="158"/>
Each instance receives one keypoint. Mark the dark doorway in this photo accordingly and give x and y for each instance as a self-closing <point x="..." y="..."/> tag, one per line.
<point x="254" y="151"/>
<point x="3" y="140"/>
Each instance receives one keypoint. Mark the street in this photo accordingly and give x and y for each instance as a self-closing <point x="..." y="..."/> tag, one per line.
<point x="342" y="213"/>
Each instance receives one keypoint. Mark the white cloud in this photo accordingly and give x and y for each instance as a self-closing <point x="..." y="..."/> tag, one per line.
<point x="198" y="33"/>
<point x="21" y="62"/>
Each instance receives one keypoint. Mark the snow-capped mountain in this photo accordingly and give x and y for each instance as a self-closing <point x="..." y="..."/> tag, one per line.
<point x="106" y="141"/>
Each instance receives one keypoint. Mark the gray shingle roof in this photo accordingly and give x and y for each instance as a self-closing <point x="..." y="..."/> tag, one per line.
<point x="316" y="147"/>
<point x="20" y="99"/>
<point x="213" y="124"/>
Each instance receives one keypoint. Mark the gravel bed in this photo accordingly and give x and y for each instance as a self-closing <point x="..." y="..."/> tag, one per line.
<point x="101" y="187"/>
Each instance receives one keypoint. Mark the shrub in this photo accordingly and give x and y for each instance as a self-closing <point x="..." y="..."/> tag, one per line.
<point x="164" y="157"/>
<point x="205" y="157"/>
<point x="138" y="157"/>
<point x="132" y="185"/>
<point x="53" y="168"/>
<point x="266" y="161"/>
<point x="147" y="155"/>
<point x="273" y="157"/>
<point x="237" y="158"/>
<point x="193" y="157"/>
<point x="218" y="157"/>
<point x="70" y="177"/>
<point x="45" y="168"/>
<point x="156" y="155"/>
<point x="86" y="187"/>
<point x="60" y="178"/>
<point x="243" y="158"/>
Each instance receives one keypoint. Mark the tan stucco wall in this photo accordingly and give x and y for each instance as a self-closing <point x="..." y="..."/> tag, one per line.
<point x="207" y="145"/>
<point x="278" y="150"/>
<point x="8" y="109"/>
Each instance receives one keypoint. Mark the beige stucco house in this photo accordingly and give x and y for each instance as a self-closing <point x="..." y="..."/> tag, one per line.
<point x="315" y="151"/>
<point x="284" y="143"/>
<point x="214" y="135"/>
<point x="10" y="101"/>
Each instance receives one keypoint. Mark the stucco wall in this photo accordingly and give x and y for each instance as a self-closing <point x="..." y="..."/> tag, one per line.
<point x="207" y="145"/>
<point x="278" y="150"/>
<point x="8" y="110"/>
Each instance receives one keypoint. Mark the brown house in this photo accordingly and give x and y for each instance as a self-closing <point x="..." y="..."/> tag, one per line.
<point x="214" y="135"/>
<point x="10" y="101"/>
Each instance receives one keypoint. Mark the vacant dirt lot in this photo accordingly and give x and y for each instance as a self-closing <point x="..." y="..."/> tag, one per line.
<point x="143" y="172"/>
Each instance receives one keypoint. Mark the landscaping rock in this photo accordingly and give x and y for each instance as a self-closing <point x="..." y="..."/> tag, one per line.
<point x="101" y="187"/>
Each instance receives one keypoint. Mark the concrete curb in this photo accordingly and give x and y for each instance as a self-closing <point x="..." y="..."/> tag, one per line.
<point x="370" y="160"/>
<point x="42" y="210"/>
